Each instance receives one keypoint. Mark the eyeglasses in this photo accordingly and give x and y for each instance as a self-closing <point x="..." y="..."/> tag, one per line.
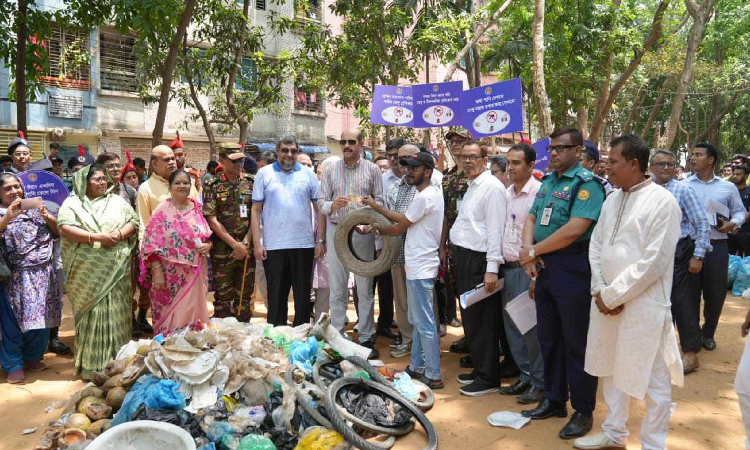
<point x="666" y="165"/>
<point x="98" y="179"/>
<point x="561" y="148"/>
<point x="348" y="141"/>
<point x="391" y="155"/>
<point x="293" y="151"/>
<point x="470" y="158"/>
<point x="114" y="166"/>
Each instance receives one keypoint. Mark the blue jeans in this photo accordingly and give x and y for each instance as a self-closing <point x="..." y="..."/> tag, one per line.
<point x="425" y="347"/>
<point x="16" y="347"/>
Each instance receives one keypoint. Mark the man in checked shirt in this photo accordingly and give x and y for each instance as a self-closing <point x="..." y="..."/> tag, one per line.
<point x="343" y="186"/>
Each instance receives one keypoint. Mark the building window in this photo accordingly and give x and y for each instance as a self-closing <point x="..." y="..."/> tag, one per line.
<point x="309" y="9"/>
<point x="247" y="76"/>
<point x="307" y="98"/>
<point x="260" y="5"/>
<point x="69" y="59"/>
<point x="117" y="62"/>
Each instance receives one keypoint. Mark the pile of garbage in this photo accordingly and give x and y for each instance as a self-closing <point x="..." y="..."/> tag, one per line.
<point x="237" y="386"/>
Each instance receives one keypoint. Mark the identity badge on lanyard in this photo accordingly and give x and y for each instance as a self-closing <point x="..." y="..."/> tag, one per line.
<point x="243" y="211"/>
<point x="513" y="230"/>
<point x="546" y="215"/>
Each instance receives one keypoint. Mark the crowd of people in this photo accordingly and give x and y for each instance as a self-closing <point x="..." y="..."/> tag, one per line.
<point x="612" y="251"/>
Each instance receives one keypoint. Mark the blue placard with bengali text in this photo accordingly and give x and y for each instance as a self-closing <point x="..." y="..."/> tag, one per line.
<point x="493" y="109"/>
<point x="542" y="154"/>
<point x="47" y="185"/>
<point x="392" y="105"/>
<point x="437" y="104"/>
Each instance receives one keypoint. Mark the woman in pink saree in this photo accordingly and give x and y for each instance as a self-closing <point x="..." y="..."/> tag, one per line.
<point x="173" y="259"/>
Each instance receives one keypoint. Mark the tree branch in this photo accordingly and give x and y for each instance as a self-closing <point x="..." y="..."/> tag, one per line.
<point x="717" y="121"/>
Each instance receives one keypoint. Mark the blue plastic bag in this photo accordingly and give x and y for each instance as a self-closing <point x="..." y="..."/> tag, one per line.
<point x="734" y="266"/>
<point x="155" y="393"/>
<point x="404" y="384"/>
<point x="302" y="354"/>
<point x="742" y="279"/>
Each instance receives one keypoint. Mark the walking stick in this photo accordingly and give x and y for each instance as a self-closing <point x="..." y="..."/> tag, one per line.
<point x="244" y="276"/>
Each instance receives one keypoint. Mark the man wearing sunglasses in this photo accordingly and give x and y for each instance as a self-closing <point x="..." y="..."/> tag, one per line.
<point x="343" y="186"/>
<point x="282" y="194"/>
<point x="555" y="256"/>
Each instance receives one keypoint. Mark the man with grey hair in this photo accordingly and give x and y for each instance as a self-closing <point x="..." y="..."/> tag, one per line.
<point x="692" y="247"/>
<point x="282" y="195"/>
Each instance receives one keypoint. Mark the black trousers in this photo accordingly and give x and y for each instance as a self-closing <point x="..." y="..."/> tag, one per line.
<point x="285" y="269"/>
<point x="481" y="320"/>
<point x="384" y="284"/>
<point x="563" y="302"/>
<point x="711" y="282"/>
<point x="739" y="244"/>
<point x="683" y="309"/>
<point x="449" y="303"/>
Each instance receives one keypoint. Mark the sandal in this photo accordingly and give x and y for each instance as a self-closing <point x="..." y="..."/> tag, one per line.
<point x="16" y="377"/>
<point x="36" y="366"/>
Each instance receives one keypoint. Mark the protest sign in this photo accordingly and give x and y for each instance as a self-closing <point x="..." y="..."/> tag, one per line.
<point x="392" y="105"/>
<point x="47" y="185"/>
<point x="493" y="109"/>
<point x="542" y="154"/>
<point x="437" y="104"/>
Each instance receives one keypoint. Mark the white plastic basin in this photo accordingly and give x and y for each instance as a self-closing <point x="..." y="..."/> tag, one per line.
<point x="144" y="435"/>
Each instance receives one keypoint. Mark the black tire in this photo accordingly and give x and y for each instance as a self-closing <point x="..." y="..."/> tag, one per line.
<point x="318" y="379"/>
<point x="424" y="404"/>
<point x="308" y="408"/>
<point x="374" y="374"/>
<point x="342" y="243"/>
<point x="356" y="440"/>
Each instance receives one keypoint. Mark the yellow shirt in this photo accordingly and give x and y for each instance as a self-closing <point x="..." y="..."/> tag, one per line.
<point x="150" y="195"/>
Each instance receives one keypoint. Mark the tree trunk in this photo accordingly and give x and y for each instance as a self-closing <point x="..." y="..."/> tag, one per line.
<point x="656" y="109"/>
<point x="476" y="66"/>
<point x="21" y="38"/>
<point x="540" y="91"/>
<point x="608" y="96"/>
<point x="478" y="33"/>
<point x="634" y="109"/>
<point x="713" y="132"/>
<point x="241" y="119"/>
<point x="701" y="15"/>
<point x="582" y="121"/>
<point x="196" y="101"/>
<point x="168" y="72"/>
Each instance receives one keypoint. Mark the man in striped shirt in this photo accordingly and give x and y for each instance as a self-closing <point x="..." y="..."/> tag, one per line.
<point x="343" y="186"/>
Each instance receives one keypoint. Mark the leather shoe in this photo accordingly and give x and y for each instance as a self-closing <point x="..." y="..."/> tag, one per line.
<point x="709" y="344"/>
<point x="374" y="353"/>
<point x="577" y="426"/>
<point x="386" y="333"/>
<point x="545" y="410"/>
<point x="531" y="396"/>
<point x="465" y="362"/>
<point x="460" y="346"/>
<point x="454" y="322"/>
<point x="517" y="388"/>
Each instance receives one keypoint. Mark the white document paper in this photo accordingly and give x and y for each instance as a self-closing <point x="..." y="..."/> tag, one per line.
<point x="522" y="310"/>
<point x="479" y="293"/>
<point x="712" y="208"/>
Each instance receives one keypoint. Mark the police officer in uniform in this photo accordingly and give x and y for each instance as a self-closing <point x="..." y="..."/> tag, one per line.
<point x="227" y="201"/>
<point x="555" y="256"/>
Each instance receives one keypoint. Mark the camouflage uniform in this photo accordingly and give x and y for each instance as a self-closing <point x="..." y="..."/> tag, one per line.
<point x="223" y="199"/>
<point x="455" y="186"/>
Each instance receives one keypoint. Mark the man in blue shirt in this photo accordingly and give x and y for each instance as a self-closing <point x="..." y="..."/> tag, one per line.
<point x="692" y="247"/>
<point x="282" y="195"/>
<point x="712" y="280"/>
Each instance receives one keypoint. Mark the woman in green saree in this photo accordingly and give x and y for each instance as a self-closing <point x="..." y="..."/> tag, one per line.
<point x="97" y="228"/>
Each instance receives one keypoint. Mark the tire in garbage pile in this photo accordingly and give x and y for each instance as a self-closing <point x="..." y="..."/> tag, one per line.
<point x="424" y="404"/>
<point x="307" y="407"/>
<point x="319" y="379"/>
<point x="342" y="243"/>
<point x="374" y="374"/>
<point x="351" y="436"/>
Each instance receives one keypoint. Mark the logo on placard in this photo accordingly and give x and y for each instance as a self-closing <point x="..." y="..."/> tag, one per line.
<point x="435" y="88"/>
<point x="32" y="177"/>
<point x="488" y="91"/>
<point x="399" y="91"/>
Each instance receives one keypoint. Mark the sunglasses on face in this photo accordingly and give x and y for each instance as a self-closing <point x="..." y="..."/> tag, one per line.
<point x="348" y="141"/>
<point x="293" y="151"/>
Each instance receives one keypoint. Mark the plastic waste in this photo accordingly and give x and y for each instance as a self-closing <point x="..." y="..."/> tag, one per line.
<point x="320" y="438"/>
<point x="404" y="384"/>
<point x="507" y="419"/>
<point x="742" y="279"/>
<point x="734" y="266"/>
<point x="280" y="339"/>
<point x="303" y="354"/>
<point x="154" y="393"/>
<point x="374" y="407"/>
<point x="246" y="416"/>
<point x="217" y="430"/>
<point x="230" y="442"/>
<point x="209" y="446"/>
<point x="256" y="442"/>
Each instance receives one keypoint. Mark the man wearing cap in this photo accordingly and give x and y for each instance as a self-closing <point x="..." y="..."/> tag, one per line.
<point x="20" y="152"/>
<point x="178" y="147"/>
<point x="226" y="206"/>
<point x="423" y="219"/>
<point x="282" y="195"/>
<point x="590" y="160"/>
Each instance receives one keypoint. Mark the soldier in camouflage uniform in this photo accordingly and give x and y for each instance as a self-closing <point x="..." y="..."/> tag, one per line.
<point x="226" y="205"/>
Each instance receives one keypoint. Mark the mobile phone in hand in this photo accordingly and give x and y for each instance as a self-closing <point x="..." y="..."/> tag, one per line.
<point x="31" y="203"/>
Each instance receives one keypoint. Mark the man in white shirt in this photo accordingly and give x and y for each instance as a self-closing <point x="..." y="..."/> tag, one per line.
<point x="424" y="220"/>
<point x="476" y="247"/>
<point x="742" y="381"/>
<point x="632" y="345"/>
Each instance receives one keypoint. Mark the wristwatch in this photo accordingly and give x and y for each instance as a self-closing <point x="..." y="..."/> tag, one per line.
<point x="699" y="258"/>
<point x="532" y="253"/>
<point x="321" y="241"/>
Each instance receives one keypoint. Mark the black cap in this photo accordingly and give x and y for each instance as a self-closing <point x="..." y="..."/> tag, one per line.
<point x="17" y="142"/>
<point x="81" y="160"/>
<point x="419" y="159"/>
<point x="591" y="149"/>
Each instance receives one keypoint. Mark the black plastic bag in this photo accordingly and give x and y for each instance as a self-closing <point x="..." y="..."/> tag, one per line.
<point x="373" y="407"/>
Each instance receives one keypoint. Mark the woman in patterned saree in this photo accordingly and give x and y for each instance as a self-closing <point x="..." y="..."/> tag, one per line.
<point x="174" y="259"/>
<point x="30" y="304"/>
<point x="97" y="228"/>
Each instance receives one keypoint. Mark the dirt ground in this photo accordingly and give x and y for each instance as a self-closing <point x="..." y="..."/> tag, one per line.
<point x="707" y="415"/>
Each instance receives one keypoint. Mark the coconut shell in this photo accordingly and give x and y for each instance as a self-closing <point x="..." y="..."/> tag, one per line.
<point x="78" y="420"/>
<point x="87" y="401"/>
<point x="98" y="411"/>
<point x="115" y="367"/>
<point x="113" y="382"/>
<point x="45" y="443"/>
<point x="99" y="427"/>
<point x="115" y="397"/>
<point x="92" y="391"/>
<point x="73" y="436"/>
<point x="98" y="378"/>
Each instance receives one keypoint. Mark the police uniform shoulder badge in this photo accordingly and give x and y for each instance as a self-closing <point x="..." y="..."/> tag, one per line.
<point x="584" y="194"/>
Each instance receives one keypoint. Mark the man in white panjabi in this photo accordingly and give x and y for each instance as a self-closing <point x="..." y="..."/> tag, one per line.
<point x="742" y="382"/>
<point x="632" y="345"/>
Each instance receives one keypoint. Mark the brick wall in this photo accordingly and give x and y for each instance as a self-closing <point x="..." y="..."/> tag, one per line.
<point x="198" y="153"/>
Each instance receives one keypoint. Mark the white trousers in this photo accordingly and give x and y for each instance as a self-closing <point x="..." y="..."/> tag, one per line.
<point x="745" y="409"/>
<point x="364" y="247"/>
<point x="321" y="301"/>
<point x="653" y="435"/>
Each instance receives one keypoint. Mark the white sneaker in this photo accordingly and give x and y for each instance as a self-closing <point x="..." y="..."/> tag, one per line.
<point x="401" y="351"/>
<point x="597" y="442"/>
